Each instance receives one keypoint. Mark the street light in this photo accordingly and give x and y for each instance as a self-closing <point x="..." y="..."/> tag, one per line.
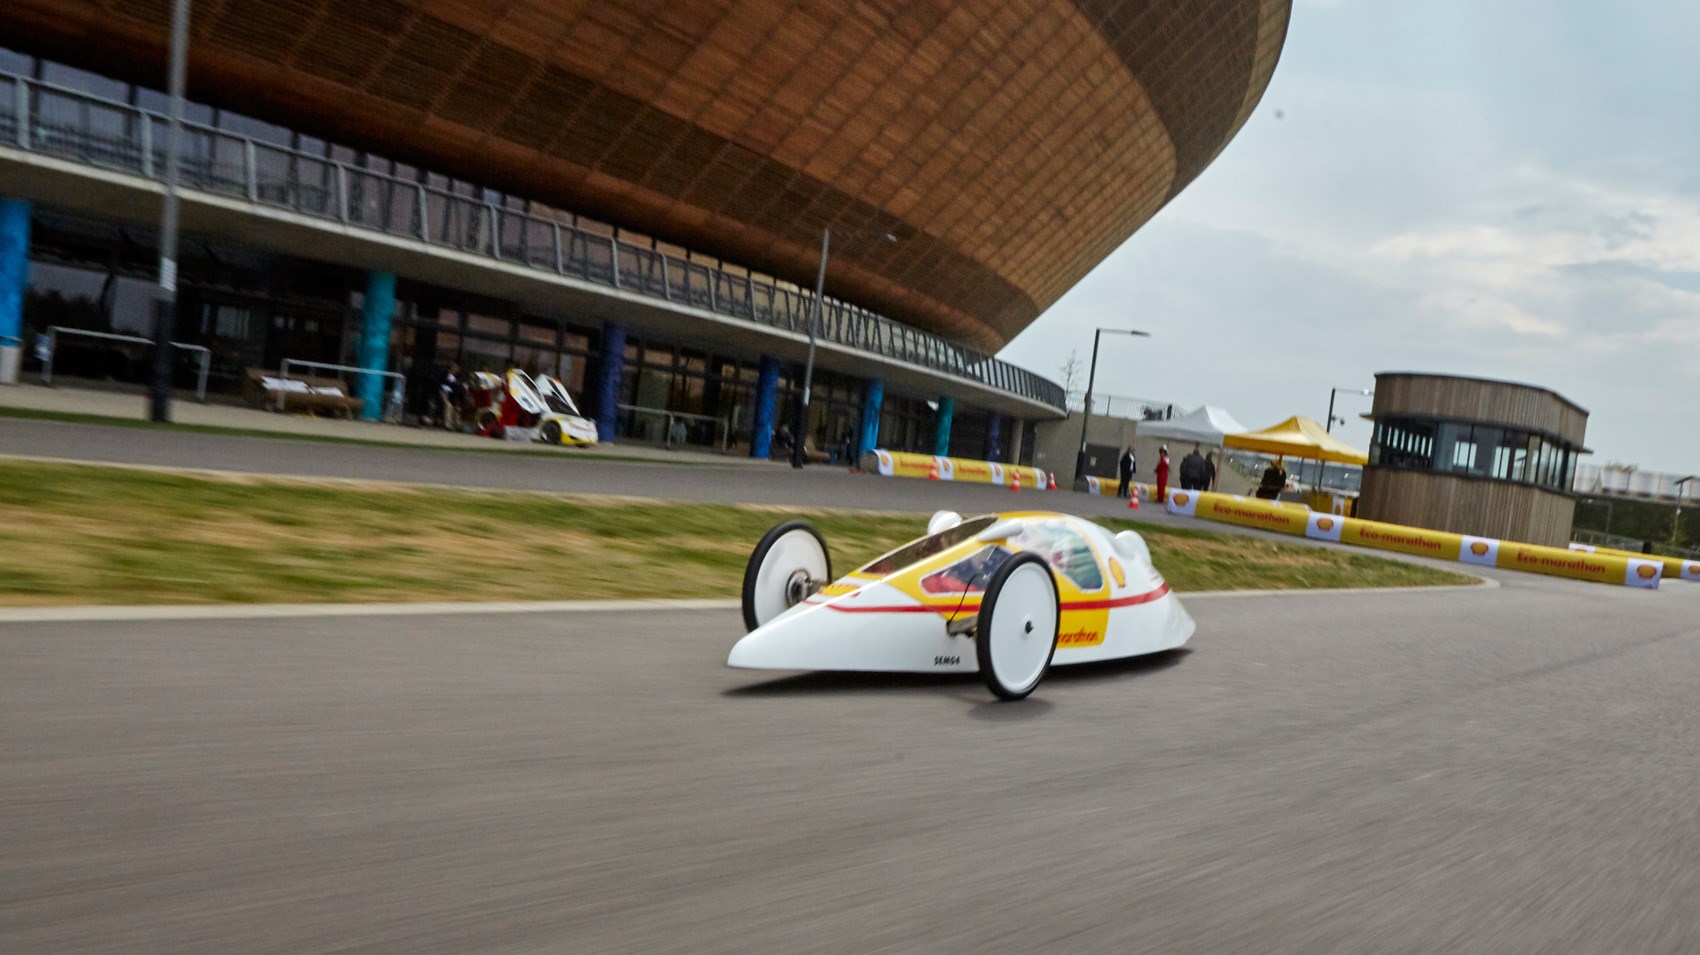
<point x="165" y="303"/>
<point x="1091" y="379"/>
<point x="802" y="418"/>
<point x="1330" y="425"/>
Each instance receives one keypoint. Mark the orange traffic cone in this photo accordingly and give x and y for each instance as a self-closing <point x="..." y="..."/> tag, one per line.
<point x="1015" y="482"/>
<point x="933" y="470"/>
<point x="1053" y="482"/>
<point x="1133" y="501"/>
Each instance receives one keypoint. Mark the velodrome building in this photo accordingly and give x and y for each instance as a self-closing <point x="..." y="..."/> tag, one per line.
<point x="628" y="194"/>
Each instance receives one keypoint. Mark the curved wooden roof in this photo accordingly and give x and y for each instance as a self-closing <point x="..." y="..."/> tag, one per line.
<point x="1009" y="145"/>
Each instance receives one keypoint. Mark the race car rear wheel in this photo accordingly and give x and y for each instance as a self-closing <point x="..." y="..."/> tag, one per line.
<point x="1020" y="618"/>
<point x="788" y="565"/>
<point x="551" y="432"/>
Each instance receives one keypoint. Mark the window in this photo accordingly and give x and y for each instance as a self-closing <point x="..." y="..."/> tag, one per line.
<point x="1476" y="450"/>
<point x="927" y="547"/>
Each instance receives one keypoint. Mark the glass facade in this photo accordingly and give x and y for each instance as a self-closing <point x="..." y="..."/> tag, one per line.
<point x="1472" y="449"/>
<point x="253" y="309"/>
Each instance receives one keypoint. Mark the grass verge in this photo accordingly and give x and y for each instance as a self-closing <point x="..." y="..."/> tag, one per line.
<point x="73" y="534"/>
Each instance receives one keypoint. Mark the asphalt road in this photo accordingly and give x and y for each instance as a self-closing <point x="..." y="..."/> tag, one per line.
<point x="817" y="486"/>
<point x="1496" y="770"/>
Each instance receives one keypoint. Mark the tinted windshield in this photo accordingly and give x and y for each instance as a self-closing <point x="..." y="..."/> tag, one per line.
<point x="928" y="546"/>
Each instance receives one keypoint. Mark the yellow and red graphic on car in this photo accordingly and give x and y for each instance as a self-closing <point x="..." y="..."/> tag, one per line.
<point x="947" y="573"/>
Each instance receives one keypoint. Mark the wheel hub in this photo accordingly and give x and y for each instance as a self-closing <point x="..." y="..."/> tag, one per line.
<point x="798" y="587"/>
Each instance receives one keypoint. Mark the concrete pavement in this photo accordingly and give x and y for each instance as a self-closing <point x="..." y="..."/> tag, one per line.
<point x="815" y="486"/>
<point x="1505" y="770"/>
<point x="125" y="403"/>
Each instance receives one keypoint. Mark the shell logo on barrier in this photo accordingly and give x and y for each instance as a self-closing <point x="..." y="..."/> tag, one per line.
<point x="1479" y="548"/>
<point x="1117" y="573"/>
<point x="884" y="460"/>
<point x="1325" y="523"/>
<point x="1647" y="571"/>
<point x="1691" y="570"/>
<point x="1181" y="499"/>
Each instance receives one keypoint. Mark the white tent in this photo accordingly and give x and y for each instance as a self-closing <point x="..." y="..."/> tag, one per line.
<point x="1207" y="425"/>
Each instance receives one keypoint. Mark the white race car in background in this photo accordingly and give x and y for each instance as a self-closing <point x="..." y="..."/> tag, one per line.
<point x="1004" y="595"/>
<point x="539" y="410"/>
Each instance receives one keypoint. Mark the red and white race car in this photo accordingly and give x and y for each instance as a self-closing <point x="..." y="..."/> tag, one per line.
<point x="1004" y="595"/>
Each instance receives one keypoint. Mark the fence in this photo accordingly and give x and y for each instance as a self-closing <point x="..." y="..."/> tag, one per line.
<point x="723" y="425"/>
<point x="53" y="121"/>
<point x="58" y="331"/>
<point x="392" y="407"/>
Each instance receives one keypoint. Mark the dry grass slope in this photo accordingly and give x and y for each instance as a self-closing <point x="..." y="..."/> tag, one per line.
<point x="97" y="535"/>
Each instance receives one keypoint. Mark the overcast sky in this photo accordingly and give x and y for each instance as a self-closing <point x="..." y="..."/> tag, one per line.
<point x="1507" y="189"/>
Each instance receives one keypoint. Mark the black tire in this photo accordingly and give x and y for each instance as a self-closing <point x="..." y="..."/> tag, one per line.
<point x="550" y="433"/>
<point x="752" y="570"/>
<point x="984" y="650"/>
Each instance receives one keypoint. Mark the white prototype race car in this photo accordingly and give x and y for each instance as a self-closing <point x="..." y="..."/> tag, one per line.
<point x="1004" y="595"/>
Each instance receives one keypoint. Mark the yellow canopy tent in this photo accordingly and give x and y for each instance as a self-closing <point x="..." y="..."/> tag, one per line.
<point x="1297" y="438"/>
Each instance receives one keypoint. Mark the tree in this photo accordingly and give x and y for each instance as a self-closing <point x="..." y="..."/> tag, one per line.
<point x="1071" y="372"/>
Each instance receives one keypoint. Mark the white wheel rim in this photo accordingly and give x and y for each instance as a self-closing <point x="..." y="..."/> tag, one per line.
<point x="795" y="550"/>
<point x="1024" y="627"/>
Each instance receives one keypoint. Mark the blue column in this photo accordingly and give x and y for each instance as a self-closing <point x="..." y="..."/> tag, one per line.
<point x="994" y="434"/>
<point x="872" y="399"/>
<point x="941" y="433"/>
<point x="374" y="354"/>
<point x="608" y="370"/>
<point x="767" y="395"/>
<point x="14" y="280"/>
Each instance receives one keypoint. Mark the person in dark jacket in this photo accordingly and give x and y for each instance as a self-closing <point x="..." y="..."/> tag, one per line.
<point x="1192" y="471"/>
<point x="1209" y="473"/>
<point x="1124" y="470"/>
<point x="1274" y="481"/>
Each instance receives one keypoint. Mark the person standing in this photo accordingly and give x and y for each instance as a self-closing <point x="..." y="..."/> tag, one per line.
<point x="1192" y="471"/>
<point x="1274" y="481"/>
<point x="449" y="392"/>
<point x="1209" y="473"/>
<point x="1124" y="470"/>
<point x="1163" y="473"/>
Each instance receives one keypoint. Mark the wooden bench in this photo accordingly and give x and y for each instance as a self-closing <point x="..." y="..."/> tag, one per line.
<point x="268" y="389"/>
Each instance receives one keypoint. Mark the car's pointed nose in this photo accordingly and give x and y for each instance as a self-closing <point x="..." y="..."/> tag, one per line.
<point x="876" y="628"/>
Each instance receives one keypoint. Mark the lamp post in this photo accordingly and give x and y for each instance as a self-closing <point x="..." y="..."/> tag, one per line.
<point x="1329" y="427"/>
<point x="1091" y="379"/>
<point x="165" y="302"/>
<point x="801" y="423"/>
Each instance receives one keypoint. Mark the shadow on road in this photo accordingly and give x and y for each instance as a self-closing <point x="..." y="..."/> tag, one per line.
<point x="836" y="682"/>
<point x="831" y="683"/>
<point x="1117" y="669"/>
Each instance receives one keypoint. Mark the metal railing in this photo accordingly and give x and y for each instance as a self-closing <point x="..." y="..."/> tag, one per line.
<point x="59" y="331"/>
<point x="723" y="425"/>
<point x="1632" y="544"/>
<point x="392" y="407"/>
<point x="65" y="124"/>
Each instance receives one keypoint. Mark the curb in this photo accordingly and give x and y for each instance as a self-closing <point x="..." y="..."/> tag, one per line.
<point x="116" y="614"/>
<point x="262" y="611"/>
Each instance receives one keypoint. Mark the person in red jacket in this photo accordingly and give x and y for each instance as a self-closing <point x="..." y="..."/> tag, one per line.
<point x="1163" y="473"/>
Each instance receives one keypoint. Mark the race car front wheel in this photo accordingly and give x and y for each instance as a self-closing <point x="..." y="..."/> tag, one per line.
<point x="788" y="565"/>
<point x="1020" y="618"/>
<point x="551" y="433"/>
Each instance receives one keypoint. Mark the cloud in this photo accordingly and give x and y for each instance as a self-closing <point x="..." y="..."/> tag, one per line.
<point x="1422" y="206"/>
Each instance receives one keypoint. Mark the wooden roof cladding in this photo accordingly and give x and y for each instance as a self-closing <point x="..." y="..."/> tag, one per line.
<point x="1482" y="400"/>
<point x="1010" y="145"/>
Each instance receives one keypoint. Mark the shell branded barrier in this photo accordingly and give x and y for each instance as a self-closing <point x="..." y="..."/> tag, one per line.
<point x="1676" y="568"/>
<point x="906" y="464"/>
<point x="1107" y="487"/>
<point x="1628" y="569"/>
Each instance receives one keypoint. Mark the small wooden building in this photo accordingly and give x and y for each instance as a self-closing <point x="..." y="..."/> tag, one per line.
<point x="1473" y="456"/>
